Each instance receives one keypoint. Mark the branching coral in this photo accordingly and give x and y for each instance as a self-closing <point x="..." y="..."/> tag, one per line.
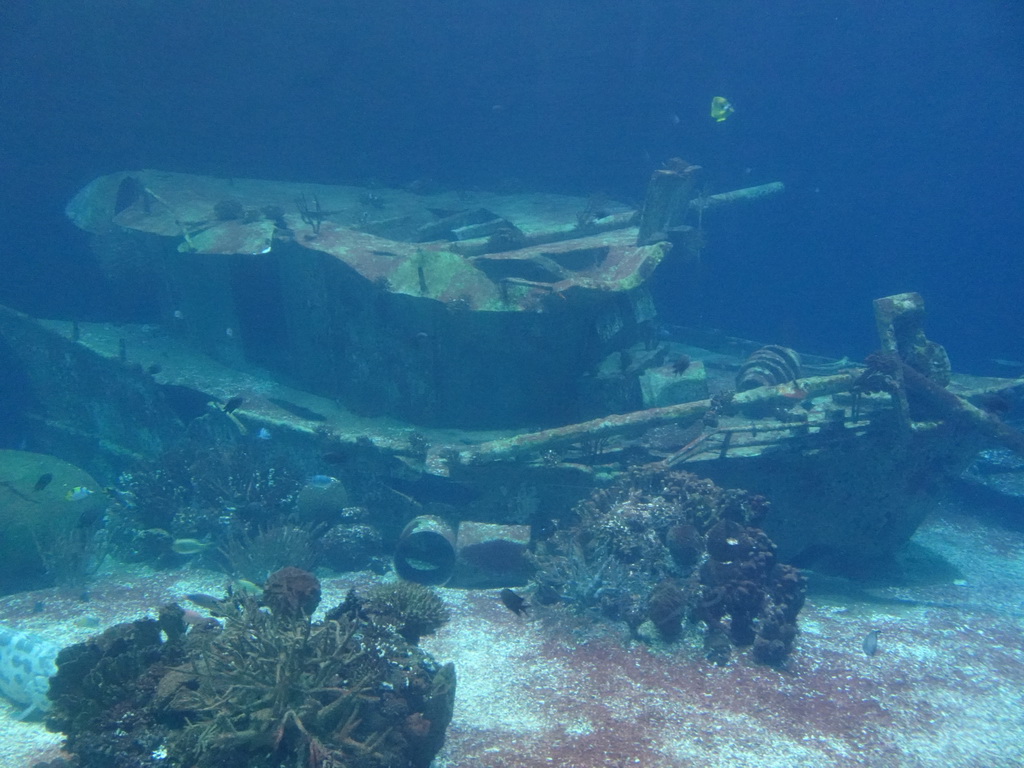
<point x="413" y="610"/>
<point x="271" y="689"/>
<point x="255" y="556"/>
<point x="268" y="686"/>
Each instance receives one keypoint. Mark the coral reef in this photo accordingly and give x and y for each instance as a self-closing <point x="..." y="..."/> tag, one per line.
<point x="746" y="595"/>
<point x="214" y="484"/>
<point x="255" y="556"/>
<point x="411" y="609"/>
<point x="269" y="689"/>
<point x="668" y="546"/>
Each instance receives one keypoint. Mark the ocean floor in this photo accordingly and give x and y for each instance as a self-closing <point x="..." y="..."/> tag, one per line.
<point x="946" y="686"/>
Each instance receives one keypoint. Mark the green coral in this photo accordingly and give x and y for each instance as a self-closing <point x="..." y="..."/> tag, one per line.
<point x="266" y="690"/>
<point x="411" y="609"/>
<point x="302" y="689"/>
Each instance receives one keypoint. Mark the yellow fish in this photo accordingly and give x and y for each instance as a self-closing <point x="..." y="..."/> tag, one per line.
<point x="78" y="493"/>
<point x="189" y="546"/>
<point x="246" y="587"/>
<point x="721" y="108"/>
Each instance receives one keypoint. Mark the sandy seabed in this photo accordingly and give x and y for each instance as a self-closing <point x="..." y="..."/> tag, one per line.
<point x="945" y="688"/>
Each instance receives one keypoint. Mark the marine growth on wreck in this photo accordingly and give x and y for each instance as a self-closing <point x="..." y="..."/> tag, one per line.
<point x="472" y="397"/>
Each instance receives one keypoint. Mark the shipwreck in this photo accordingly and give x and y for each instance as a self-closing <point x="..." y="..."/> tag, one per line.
<point x="494" y="357"/>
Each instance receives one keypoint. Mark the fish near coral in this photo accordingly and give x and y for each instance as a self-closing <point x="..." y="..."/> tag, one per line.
<point x="233" y="404"/>
<point x="322" y="481"/>
<point x="209" y="602"/>
<point x="78" y="493"/>
<point x="189" y="546"/>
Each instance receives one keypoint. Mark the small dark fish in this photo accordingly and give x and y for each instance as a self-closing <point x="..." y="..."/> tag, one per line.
<point x="197" y="620"/>
<point x="232" y="405"/>
<point x="515" y="603"/>
<point x="870" y="644"/>
<point x="681" y="365"/>
<point x="43" y="481"/>
<point x="154" y="369"/>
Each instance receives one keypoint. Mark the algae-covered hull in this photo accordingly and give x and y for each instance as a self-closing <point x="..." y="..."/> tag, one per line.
<point x="468" y="309"/>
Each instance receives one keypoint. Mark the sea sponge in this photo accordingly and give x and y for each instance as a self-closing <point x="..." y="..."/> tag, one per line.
<point x="666" y="608"/>
<point x="685" y="544"/>
<point x="291" y="593"/>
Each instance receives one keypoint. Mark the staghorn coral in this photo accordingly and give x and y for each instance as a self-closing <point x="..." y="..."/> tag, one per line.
<point x="271" y="689"/>
<point x="255" y="556"/>
<point x="300" y="691"/>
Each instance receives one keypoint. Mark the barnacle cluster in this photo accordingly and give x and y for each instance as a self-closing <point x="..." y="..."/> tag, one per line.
<point x="270" y="689"/>
<point x="670" y="546"/>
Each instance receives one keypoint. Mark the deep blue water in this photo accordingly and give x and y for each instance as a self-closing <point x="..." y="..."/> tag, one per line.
<point x="895" y="126"/>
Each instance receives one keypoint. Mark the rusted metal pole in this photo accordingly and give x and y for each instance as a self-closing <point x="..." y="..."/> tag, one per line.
<point x="510" y="448"/>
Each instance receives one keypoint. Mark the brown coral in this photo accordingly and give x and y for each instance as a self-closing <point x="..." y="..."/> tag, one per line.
<point x="265" y="691"/>
<point x="412" y="609"/>
<point x="693" y="548"/>
<point x="292" y="593"/>
<point x="666" y="608"/>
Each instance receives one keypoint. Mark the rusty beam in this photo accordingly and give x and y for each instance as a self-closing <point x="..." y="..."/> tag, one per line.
<point x="518" y="446"/>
